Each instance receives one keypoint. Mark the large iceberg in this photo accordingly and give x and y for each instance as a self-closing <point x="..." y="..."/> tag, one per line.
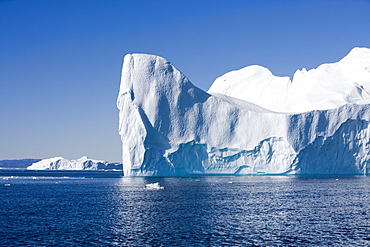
<point x="250" y="122"/>
<point x="83" y="163"/>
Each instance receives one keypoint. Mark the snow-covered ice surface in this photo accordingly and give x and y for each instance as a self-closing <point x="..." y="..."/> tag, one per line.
<point x="250" y="121"/>
<point x="60" y="163"/>
<point x="326" y="87"/>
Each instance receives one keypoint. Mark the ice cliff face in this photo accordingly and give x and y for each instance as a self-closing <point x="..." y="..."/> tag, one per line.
<point x="83" y="163"/>
<point x="169" y="127"/>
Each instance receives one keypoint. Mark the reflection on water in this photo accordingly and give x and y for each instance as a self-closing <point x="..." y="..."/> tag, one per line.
<point x="178" y="213"/>
<point x="243" y="210"/>
<point x="202" y="211"/>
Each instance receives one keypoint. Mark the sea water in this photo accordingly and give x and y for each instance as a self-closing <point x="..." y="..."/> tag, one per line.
<point x="203" y="211"/>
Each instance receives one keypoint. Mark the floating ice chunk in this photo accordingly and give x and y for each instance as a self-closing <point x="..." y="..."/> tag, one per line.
<point x="153" y="186"/>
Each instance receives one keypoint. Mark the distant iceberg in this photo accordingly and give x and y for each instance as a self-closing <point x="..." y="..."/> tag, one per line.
<point x="250" y="122"/>
<point x="83" y="163"/>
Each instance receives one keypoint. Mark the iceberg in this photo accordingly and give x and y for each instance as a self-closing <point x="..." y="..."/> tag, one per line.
<point x="250" y="122"/>
<point x="83" y="163"/>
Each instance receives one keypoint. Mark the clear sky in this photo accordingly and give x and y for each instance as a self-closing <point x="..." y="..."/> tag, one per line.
<point x="60" y="60"/>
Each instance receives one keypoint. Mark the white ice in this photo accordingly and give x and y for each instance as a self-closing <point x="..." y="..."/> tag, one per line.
<point x="250" y="121"/>
<point x="60" y="163"/>
<point x="154" y="186"/>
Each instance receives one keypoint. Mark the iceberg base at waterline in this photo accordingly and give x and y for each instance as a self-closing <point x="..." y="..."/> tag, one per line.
<point x="169" y="127"/>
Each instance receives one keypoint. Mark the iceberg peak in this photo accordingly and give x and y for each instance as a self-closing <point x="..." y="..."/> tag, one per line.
<point x="327" y="87"/>
<point x="358" y="54"/>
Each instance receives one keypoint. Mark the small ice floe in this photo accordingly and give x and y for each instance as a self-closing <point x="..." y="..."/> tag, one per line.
<point x="6" y="184"/>
<point x="154" y="186"/>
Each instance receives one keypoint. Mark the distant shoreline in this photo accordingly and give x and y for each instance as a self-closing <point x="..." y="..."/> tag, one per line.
<point x="61" y="173"/>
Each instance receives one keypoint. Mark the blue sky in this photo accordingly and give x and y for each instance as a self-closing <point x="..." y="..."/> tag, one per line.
<point x="60" y="60"/>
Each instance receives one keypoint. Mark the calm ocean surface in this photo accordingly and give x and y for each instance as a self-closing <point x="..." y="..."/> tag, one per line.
<point x="205" y="211"/>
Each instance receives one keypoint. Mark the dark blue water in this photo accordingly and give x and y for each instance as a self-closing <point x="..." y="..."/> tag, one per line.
<point x="207" y="211"/>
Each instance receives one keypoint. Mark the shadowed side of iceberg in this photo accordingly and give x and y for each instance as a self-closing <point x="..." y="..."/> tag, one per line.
<point x="347" y="151"/>
<point x="332" y="141"/>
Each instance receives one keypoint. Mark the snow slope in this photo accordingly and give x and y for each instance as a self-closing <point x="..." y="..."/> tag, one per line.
<point x="169" y="127"/>
<point x="326" y="87"/>
<point x="60" y="163"/>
